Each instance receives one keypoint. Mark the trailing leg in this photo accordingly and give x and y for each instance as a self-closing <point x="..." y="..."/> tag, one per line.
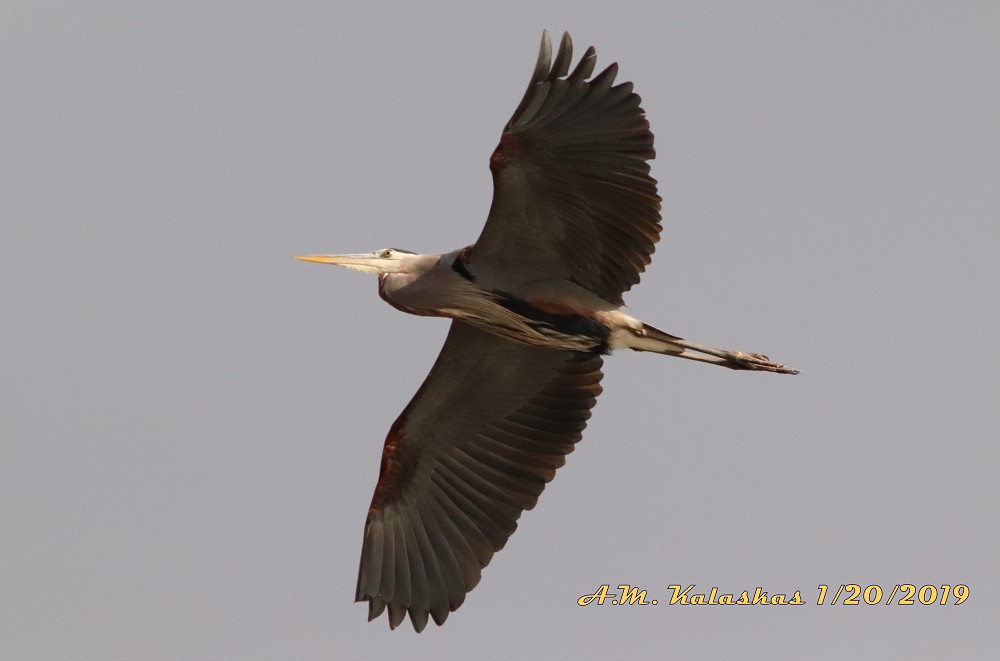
<point x="648" y="338"/>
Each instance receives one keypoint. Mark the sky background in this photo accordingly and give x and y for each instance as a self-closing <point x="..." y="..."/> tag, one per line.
<point x="191" y="421"/>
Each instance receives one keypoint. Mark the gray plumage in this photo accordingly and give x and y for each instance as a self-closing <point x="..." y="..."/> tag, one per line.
<point x="535" y="302"/>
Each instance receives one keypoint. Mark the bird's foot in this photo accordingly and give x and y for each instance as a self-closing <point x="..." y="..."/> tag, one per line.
<point x="756" y="361"/>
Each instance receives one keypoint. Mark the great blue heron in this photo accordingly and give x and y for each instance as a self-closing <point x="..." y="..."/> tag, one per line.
<point x="535" y="304"/>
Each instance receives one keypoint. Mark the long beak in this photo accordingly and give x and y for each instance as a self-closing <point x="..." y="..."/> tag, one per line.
<point x="341" y="260"/>
<point x="364" y="262"/>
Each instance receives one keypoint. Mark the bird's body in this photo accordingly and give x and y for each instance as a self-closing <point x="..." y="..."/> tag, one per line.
<point x="535" y="302"/>
<point x="450" y="289"/>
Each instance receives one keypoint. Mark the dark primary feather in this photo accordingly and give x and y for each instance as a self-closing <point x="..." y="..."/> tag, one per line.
<point x="572" y="195"/>
<point x="474" y="448"/>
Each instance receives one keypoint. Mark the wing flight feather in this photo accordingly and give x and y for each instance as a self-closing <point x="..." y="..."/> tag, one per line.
<point x="473" y="449"/>
<point x="572" y="194"/>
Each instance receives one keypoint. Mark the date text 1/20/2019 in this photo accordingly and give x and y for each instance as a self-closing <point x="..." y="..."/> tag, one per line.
<point x="845" y="594"/>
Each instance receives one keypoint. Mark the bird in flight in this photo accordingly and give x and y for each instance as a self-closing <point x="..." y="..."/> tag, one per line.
<point x="535" y="304"/>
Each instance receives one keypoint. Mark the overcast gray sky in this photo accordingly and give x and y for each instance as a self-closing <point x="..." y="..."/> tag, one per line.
<point x="192" y="421"/>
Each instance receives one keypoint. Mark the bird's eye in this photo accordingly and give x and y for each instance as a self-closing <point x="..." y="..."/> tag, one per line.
<point x="387" y="253"/>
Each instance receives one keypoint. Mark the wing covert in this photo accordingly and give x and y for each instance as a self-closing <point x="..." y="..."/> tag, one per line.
<point x="475" y="446"/>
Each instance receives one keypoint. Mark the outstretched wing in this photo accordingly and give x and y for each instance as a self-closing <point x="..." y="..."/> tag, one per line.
<point x="572" y="195"/>
<point x="474" y="448"/>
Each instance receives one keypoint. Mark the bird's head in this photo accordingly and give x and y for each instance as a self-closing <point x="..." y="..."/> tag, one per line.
<point x="380" y="262"/>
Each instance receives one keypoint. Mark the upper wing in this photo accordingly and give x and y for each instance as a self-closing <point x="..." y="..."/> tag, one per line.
<point x="474" y="448"/>
<point x="572" y="195"/>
